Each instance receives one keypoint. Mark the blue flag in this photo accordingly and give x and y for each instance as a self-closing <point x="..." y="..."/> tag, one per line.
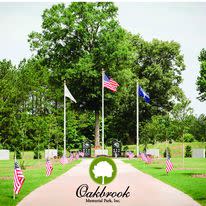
<point x="144" y="95"/>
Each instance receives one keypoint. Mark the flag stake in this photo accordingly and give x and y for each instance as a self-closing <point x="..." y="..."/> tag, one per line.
<point x="14" y="196"/>
<point x="103" y="109"/>
<point x="167" y="151"/>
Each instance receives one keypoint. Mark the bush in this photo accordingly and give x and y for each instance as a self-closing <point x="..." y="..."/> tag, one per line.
<point x="18" y="154"/>
<point x="60" y="152"/>
<point x="145" y="148"/>
<point x="188" y="151"/>
<point x="36" y="151"/>
<point x="169" y="152"/>
<point x="125" y="148"/>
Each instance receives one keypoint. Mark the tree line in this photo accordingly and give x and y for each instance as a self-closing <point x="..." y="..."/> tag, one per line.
<point x="77" y="41"/>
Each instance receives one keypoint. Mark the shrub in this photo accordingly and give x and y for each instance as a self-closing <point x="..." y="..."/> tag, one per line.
<point x="60" y="152"/>
<point x="145" y="148"/>
<point x="18" y="154"/>
<point x="36" y="153"/>
<point x="125" y="148"/>
<point x="188" y="151"/>
<point x="167" y="150"/>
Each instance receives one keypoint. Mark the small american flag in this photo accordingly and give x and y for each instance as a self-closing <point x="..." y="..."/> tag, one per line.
<point x="49" y="167"/>
<point x="169" y="165"/>
<point x="71" y="157"/>
<point x="81" y="154"/>
<point x="130" y="155"/>
<point x="144" y="158"/>
<point x="149" y="159"/>
<point x="77" y="156"/>
<point x="18" y="178"/>
<point x="109" y="83"/>
<point x="63" y="160"/>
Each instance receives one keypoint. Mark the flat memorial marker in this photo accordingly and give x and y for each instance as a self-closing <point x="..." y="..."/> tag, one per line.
<point x="198" y="153"/>
<point x="4" y="154"/>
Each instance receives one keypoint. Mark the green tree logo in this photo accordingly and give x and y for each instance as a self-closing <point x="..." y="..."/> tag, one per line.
<point x="103" y="170"/>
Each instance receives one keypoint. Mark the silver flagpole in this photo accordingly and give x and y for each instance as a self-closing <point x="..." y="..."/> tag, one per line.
<point x="102" y="109"/>
<point x="137" y="110"/>
<point x="64" y="119"/>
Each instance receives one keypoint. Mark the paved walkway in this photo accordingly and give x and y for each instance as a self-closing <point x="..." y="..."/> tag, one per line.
<point x="144" y="189"/>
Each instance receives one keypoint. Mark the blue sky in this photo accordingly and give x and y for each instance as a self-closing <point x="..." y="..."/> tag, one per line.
<point x="181" y="22"/>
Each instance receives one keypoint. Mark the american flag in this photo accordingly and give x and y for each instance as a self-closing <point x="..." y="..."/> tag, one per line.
<point x="130" y="155"/>
<point x="18" y="178"/>
<point x="63" y="160"/>
<point x="109" y="83"/>
<point x="149" y="159"/>
<point x="77" y="156"/>
<point x="49" y="168"/>
<point x="144" y="158"/>
<point x="81" y="154"/>
<point x="169" y="165"/>
<point x="71" y="158"/>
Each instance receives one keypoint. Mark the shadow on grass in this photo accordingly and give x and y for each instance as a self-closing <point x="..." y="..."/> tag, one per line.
<point x="189" y="174"/>
<point x="159" y="168"/>
<point x="9" y="196"/>
<point x="200" y="198"/>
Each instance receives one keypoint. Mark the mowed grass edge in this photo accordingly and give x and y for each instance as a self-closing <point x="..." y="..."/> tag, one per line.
<point x="35" y="176"/>
<point x="179" y="178"/>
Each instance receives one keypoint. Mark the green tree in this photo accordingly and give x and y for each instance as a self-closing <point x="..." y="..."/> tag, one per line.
<point x="180" y="115"/>
<point x="201" y="79"/>
<point x="77" y="42"/>
<point x="158" y="66"/>
<point x="12" y="104"/>
<point x="200" y="128"/>
<point x="156" y="130"/>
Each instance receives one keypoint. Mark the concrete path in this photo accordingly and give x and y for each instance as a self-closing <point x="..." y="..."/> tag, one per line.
<point x="144" y="189"/>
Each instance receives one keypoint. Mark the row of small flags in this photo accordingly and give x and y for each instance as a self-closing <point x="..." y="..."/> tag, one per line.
<point x="19" y="177"/>
<point x="65" y="160"/>
<point x="148" y="159"/>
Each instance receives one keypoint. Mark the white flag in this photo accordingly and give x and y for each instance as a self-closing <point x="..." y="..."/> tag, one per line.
<point x="68" y="94"/>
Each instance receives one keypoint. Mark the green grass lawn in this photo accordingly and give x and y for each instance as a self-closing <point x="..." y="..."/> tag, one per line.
<point x="34" y="177"/>
<point x="179" y="178"/>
